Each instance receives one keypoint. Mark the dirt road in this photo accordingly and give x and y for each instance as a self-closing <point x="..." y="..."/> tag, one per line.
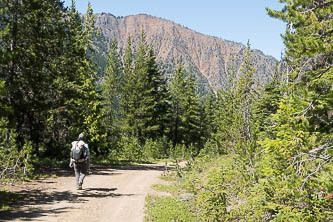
<point x="114" y="194"/>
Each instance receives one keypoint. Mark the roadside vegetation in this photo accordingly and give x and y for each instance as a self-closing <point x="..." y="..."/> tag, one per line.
<point x="7" y="198"/>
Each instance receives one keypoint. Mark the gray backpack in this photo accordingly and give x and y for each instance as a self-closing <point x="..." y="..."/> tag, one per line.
<point x="79" y="152"/>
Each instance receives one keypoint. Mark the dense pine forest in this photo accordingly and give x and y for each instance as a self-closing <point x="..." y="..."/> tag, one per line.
<point x="253" y="153"/>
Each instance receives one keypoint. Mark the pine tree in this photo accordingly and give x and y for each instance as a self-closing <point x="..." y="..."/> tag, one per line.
<point x="76" y="102"/>
<point x="299" y="143"/>
<point x="191" y="115"/>
<point x="62" y="114"/>
<point x="235" y="122"/>
<point x="208" y="110"/>
<point x="50" y="82"/>
<point x="90" y="101"/>
<point x="177" y="109"/>
<point x="126" y="86"/>
<point x="185" y="113"/>
<point x="159" y="96"/>
<point x="112" y="84"/>
<point x="268" y="104"/>
<point x="303" y="115"/>
<point x="31" y="45"/>
<point x="309" y="45"/>
<point x="226" y="134"/>
<point x="144" y="102"/>
<point x="246" y="98"/>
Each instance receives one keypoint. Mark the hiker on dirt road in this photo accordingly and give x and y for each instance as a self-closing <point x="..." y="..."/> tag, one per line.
<point x="79" y="158"/>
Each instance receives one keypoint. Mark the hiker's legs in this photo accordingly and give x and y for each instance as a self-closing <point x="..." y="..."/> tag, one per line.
<point x="80" y="173"/>
<point x="77" y="169"/>
<point x="83" y="173"/>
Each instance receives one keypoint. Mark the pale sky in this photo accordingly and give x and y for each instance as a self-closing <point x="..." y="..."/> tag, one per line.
<point x="234" y="20"/>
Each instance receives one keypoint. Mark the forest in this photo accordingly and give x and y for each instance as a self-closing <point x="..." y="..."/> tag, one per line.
<point x="253" y="153"/>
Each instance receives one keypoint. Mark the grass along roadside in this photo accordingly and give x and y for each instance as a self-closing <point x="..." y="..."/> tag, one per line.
<point x="168" y="204"/>
<point x="197" y="191"/>
<point x="164" y="209"/>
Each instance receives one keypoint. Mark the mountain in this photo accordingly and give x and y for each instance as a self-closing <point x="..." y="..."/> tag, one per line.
<point x="209" y="58"/>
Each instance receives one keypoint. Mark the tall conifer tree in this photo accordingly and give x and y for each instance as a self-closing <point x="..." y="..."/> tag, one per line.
<point x="32" y="47"/>
<point x="191" y="115"/>
<point x="177" y="109"/>
<point x="158" y="97"/>
<point x="144" y="102"/>
<point x="304" y="114"/>
<point x="112" y="94"/>
<point x="235" y="123"/>
<point x="299" y="144"/>
<point x="128" y="90"/>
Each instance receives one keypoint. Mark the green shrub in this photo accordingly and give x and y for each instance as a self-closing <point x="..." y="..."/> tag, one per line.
<point x="178" y="151"/>
<point x="15" y="163"/>
<point x="211" y="199"/>
<point x="153" y="149"/>
<point x="210" y="149"/>
<point x="130" y="149"/>
<point x="166" y="209"/>
<point x="7" y="198"/>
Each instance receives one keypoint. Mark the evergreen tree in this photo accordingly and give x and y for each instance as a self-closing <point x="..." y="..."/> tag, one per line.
<point x="89" y="101"/>
<point x="144" y="104"/>
<point x="159" y="96"/>
<point x="62" y="114"/>
<point x="31" y="45"/>
<point x="299" y="147"/>
<point x="112" y="93"/>
<point x="191" y="115"/>
<point x="185" y="115"/>
<point x="268" y="104"/>
<point x="127" y="90"/>
<point x="308" y="52"/>
<point x="303" y="115"/>
<point x="246" y="98"/>
<point x="76" y="101"/>
<point x="208" y="110"/>
<point x="177" y="109"/>
<point x="235" y="122"/>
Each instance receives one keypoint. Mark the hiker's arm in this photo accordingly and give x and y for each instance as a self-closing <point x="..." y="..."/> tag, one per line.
<point x="88" y="158"/>
<point x="71" y="160"/>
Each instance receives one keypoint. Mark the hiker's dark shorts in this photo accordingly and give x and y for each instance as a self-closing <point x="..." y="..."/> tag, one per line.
<point x="81" y="167"/>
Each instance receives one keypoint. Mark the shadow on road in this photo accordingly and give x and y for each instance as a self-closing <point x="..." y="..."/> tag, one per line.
<point x="32" y="205"/>
<point x="69" y="172"/>
<point x="101" y="189"/>
<point x="104" y="170"/>
<point x="141" y="167"/>
<point x="30" y="214"/>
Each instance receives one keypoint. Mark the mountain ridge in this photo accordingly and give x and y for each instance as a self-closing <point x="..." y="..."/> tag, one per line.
<point x="208" y="57"/>
<point x="183" y="26"/>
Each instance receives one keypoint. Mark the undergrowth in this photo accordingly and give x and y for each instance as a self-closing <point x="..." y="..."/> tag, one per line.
<point x="224" y="188"/>
<point x="165" y="209"/>
<point x="7" y="198"/>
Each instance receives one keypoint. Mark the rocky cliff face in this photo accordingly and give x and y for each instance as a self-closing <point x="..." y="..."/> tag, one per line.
<point x="209" y="58"/>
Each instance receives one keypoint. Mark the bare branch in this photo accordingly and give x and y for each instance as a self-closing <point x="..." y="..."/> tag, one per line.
<point x="303" y="112"/>
<point x="319" y="154"/>
<point x="308" y="177"/>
